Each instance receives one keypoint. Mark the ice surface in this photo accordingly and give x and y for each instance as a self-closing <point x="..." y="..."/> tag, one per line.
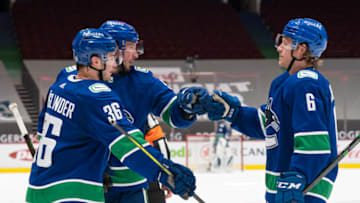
<point x="233" y="187"/>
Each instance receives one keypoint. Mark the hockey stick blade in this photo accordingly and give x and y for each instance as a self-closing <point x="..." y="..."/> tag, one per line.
<point x="337" y="159"/>
<point x="20" y="123"/>
<point x="171" y="176"/>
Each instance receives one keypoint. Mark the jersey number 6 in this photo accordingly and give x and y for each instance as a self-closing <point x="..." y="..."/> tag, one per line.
<point x="47" y="145"/>
<point x="310" y="102"/>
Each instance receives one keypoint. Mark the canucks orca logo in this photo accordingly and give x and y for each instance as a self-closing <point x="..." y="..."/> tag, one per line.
<point x="272" y="125"/>
<point x="129" y="117"/>
<point x="271" y="119"/>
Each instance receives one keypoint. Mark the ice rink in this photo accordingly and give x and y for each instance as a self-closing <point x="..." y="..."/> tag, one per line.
<point x="233" y="187"/>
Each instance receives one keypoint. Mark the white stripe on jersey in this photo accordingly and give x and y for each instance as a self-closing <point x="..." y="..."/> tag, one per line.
<point x="311" y="133"/>
<point x="74" y="200"/>
<point x="312" y="151"/>
<point x="66" y="181"/>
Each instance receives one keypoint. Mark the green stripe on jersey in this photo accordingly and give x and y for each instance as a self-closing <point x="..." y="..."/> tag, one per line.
<point x="316" y="142"/>
<point x="66" y="190"/>
<point x="323" y="189"/>
<point x="124" y="145"/>
<point x="270" y="181"/>
<point x="126" y="177"/>
<point x="165" y="114"/>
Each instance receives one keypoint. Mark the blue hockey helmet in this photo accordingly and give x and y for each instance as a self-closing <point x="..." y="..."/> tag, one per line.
<point x="121" y="32"/>
<point x="309" y="31"/>
<point x="90" y="42"/>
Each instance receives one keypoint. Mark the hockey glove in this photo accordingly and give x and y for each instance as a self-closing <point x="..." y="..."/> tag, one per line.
<point x="223" y="106"/>
<point x="289" y="187"/>
<point x="182" y="180"/>
<point x="192" y="99"/>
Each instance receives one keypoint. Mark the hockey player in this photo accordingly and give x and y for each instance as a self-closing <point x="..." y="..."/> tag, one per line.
<point x="155" y="136"/>
<point x="142" y="94"/>
<point x="77" y="137"/>
<point x="222" y="155"/>
<point x="133" y="84"/>
<point x="298" y="122"/>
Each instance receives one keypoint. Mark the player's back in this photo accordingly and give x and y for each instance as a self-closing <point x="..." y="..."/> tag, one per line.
<point x="69" y="156"/>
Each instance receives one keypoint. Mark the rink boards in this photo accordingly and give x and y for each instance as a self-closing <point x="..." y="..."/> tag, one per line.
<point x="16" y="157"/>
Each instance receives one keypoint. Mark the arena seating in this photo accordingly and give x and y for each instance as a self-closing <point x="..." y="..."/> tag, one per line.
<point x="170" y="29"/>
<point x="339" y="18"/>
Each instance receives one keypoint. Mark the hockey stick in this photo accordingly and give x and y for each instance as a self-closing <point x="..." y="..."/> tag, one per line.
<point x="20" y="123"/>
<point x="337" y="159"/>
<point x="171" y="176"/>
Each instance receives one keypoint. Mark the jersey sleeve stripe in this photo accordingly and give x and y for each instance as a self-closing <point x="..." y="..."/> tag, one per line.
<point x="122" y="148"/>
<point x="121" y="137"/>
<point x="129" y="184"/>
<point x="270" y="181"/>
<point x="135" y="149"/>
<point x="118" y="168"/>
<point x="262" y="120"/>
<point x="165" y="113"/>
<point x="71" y="188"/>
<point x="126" y="177"/>
<point x="312" y="152"/>
<point x="322" y="190"/>
<point x="75" y="200"/>
<point x="311" y="133"/>
<point x="312" y="143"/>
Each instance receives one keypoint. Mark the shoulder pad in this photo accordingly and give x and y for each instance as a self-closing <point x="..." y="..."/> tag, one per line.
<point x="99" y="87"/>
<point x="70" y="68"/>
<point x="307" y="74"/>
<point x="140" y="69"/>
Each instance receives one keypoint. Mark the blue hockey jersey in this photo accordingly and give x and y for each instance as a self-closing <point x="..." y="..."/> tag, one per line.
<point x="298" y="124"/>
<point x="140" y="93"/>
<point x="76" y="141"/>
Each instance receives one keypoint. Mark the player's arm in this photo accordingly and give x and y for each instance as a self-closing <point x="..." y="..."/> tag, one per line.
<point x="247" y="120"/>
<point x="107" y="107"/>
<point x="177" y="111"/>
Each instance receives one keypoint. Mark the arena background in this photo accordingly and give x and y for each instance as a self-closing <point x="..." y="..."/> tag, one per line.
<point x="225" y="45"/>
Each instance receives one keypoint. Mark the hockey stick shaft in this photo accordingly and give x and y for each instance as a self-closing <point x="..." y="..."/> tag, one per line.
<point x="326" y="170"/>
<point x="113" y="123"/>
<point x="141" y="147"/>
<point x="20" y="123"/>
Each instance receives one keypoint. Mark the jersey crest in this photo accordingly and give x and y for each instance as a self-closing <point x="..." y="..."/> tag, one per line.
<point x="307" y="74"/>
<point x="99" y="87"/>
<point x="70" y="69"/>
<point x="140" y="69"/>
<point x="272" y="126"/>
